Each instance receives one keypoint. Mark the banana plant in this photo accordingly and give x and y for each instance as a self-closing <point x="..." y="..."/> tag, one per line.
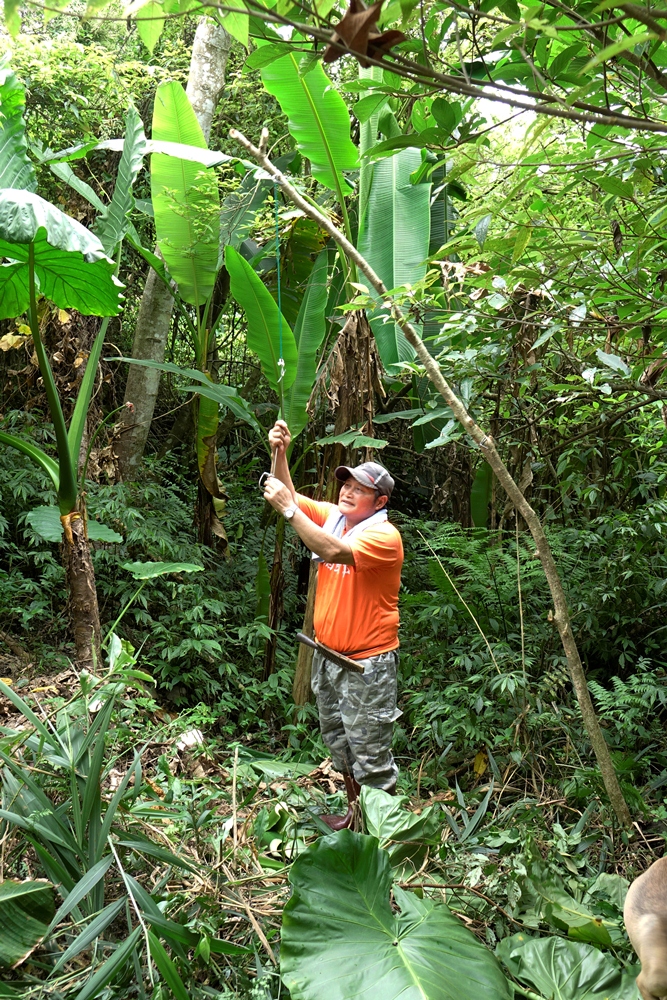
<point x="52" y="255"/>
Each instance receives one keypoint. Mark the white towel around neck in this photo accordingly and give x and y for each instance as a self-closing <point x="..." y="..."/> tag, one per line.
<point x="335" y="524"/>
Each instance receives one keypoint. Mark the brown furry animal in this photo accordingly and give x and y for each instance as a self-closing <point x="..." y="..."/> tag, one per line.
<point x="645" y="915"/>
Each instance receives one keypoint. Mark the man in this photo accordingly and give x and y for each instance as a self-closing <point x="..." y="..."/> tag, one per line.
<point x="360" y="555"/>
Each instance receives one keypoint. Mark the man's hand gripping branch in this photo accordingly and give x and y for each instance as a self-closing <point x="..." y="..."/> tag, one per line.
<point x="280" y="493"/>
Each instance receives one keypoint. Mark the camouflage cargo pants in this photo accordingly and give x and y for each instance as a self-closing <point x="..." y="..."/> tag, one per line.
<point x="357" y="715"/>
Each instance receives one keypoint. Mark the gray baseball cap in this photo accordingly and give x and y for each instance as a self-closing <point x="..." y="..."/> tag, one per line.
<point x="368" y="474"/>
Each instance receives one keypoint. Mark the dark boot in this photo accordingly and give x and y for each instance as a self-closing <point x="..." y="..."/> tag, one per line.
<point x="343" y="822"/>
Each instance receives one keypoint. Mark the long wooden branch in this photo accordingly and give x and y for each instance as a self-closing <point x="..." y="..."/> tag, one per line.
<point x="487" y="445"/>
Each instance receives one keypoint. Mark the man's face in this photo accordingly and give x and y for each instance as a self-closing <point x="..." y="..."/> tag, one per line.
<point x="358" y="502"/>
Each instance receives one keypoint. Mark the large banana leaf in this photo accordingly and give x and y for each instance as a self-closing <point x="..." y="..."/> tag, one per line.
<point x="113" y="225"/>
<point x="394" y="239"/>
<point x="309" y="332"/>
<point x="70" y="263"/>
<point x="558" y="969"/>
<point x="340" y="938"/>
<point x="368" y="136"/>
<point x="185" y="198"/>
<point x="16" y="170"/>
<point x="317" y="116"/>
<point x="26" y="910"/>
<point x="264" y="329"/>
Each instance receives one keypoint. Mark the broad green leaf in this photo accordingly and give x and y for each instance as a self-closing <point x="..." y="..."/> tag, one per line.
<point x="112" y="965"/>
<point x="70" y="265"/>
<point x="45" y="462"/>
<point x="223" y="394"/>
<point x="394" y="239"/>
<point x="368" y="106"/>
<point x="150" y="22"/>
<point x="387" y="818"/>
<point x="264" y="330"/>
<point x="318" y="119"/>
<point x="309" y="332"/>
<point x="340" y="938"/>
<point x="368" y="137"/>
<point x="480" y="494"/>
<point x="185" y="199"/>
<point x="16" y="170"/>
<point x="149" y="570"/>
<point x="237" y="24"/>
<point x="45" y="521"/>
<point x="100" y="532"/>
<point x="112" y="227"/>
<point x="26" y="910"/>
<point x="266" y="54"/>
<point x="566" y="970"/>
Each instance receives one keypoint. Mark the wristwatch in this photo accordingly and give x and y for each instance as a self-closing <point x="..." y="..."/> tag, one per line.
<point x="290" y="511"/>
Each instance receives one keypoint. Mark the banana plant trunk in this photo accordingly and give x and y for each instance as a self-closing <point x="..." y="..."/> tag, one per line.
<point x="206" y="81"/>
<point x="80" y="580"/>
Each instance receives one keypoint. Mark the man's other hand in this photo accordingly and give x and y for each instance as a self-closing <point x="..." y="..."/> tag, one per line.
<point x="280" y="437"/>
<point x="276" y="492"/>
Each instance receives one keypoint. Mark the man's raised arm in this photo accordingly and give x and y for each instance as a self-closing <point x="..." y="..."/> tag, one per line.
<point x="279" y="439"/>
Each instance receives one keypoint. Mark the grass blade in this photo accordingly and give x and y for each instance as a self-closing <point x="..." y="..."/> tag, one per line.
<point x="81" y="889"/>
<point x="167" y="969"/>
<point x="105" y="973"/>
<point x="92" y="931"/>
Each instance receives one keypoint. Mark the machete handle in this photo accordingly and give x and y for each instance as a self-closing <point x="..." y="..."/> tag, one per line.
<point x="306" y="640"/>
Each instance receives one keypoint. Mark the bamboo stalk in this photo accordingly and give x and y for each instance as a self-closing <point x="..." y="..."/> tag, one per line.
<point x="485" y="441"/>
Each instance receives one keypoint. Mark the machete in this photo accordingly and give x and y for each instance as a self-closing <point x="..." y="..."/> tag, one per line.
<point x="331" y="654"/>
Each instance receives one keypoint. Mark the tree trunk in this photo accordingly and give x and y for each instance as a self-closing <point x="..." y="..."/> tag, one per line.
<point x="486" y="444"/>
<point x="83" y="608"/>
<point x="206" y="80"/>
<point x="301" y="692"/>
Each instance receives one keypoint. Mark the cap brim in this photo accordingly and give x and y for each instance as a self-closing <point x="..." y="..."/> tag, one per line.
<point x="343" y="472"/>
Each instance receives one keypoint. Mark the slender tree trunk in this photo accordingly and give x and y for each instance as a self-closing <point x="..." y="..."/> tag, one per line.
<point x="301" y="692"/>
<point x="83" y="608"/>
<point x="561" y="612"/>
<point x="206" y="80"/>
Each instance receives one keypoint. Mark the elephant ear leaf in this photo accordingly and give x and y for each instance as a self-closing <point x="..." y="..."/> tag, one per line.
<point x="340" y="937"/>
<point x="569" y="970"/>
<point x="268" y="331"/>
<point x="70" y="264"/>
<point x="16" y="170"/>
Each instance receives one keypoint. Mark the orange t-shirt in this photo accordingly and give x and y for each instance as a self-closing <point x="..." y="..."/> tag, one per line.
<point x="356" y="607"/>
